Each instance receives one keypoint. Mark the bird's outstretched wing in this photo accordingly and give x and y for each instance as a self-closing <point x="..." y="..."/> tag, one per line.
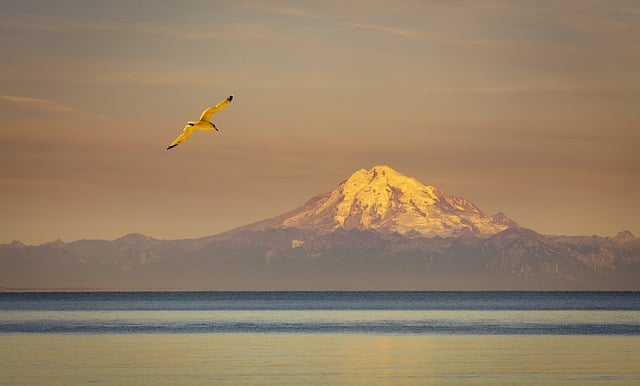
<point x="206" y="115"/>
<point x="188" y="130"/>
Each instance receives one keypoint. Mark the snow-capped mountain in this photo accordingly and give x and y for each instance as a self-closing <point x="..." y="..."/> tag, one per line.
<point x="385" y="200"/>
<point x="374" y="231"/>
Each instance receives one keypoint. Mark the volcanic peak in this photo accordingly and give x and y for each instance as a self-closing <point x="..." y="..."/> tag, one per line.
<point x="379" y="193"/>
<point x="383" y="199"/>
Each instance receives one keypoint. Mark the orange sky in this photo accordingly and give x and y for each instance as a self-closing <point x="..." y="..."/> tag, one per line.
<point x="530" y="108"/>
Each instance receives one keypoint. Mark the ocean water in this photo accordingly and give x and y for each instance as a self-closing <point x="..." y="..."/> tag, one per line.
<point x="153" y="338"/>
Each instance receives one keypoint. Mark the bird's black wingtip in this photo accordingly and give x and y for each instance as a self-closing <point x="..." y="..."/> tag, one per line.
<point x="230" y="98"/>
<point x="171" y="147"/>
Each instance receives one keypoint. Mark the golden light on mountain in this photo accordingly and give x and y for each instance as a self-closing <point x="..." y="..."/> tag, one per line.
<point x="385" y="200"/>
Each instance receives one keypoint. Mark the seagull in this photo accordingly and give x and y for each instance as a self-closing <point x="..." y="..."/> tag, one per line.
<point x="202" y="124"/>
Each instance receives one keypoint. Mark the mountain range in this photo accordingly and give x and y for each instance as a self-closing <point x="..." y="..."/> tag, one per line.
<point x="377" y="230"/>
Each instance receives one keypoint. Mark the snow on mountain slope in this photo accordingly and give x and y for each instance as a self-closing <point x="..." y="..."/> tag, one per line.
<point x="385" y="200"/>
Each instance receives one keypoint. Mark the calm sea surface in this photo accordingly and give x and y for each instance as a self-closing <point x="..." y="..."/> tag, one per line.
<point x="152" y="338"/>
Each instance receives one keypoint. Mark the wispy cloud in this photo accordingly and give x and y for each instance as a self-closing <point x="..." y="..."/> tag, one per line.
<point x="547" y="86"/>
<point x="238" y="31"/>
<point x="395" y="31"/>
<point x="37" y="23"/>
<point x="277" y="9"/>
<point x="37" y="105"/>
<point x="440" y="37"/>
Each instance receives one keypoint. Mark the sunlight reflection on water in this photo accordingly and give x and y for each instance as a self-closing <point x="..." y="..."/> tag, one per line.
<point x="275" y="359"/>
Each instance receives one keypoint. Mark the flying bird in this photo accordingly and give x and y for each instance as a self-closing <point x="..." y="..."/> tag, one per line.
<point x="203" y="124"/>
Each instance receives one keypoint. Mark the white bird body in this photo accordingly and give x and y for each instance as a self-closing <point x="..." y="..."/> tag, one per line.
<point x="203" y="123"/>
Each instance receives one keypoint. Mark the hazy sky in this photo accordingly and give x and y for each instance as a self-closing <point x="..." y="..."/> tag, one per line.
<point x="531" y="108"/>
